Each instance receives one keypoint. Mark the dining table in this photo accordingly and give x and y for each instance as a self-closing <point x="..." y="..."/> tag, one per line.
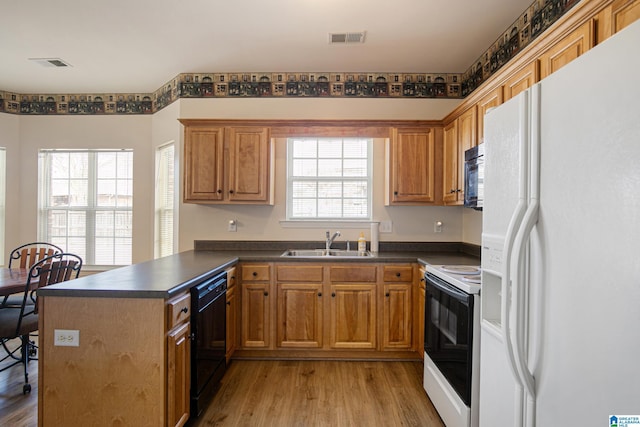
<point x="12" y="280"/>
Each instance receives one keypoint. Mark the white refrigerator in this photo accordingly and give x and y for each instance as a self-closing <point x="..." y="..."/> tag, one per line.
<point x="560" y="298"/>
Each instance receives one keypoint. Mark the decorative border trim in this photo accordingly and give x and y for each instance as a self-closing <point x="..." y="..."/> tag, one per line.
<point x="531" y="23"/>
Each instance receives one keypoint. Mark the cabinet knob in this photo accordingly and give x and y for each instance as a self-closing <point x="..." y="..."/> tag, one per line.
<point x="452" y="191"/>
<point x="395" y="193"/>
<point x="266" y="294"/>
<point x="219" y="191"/>
<point x="319" y="294"/>
<point x="333" y="294"/>
<point x="458" y="190"/>
<point x="397" y="274"/>
<point x="254" y="274"/>
<point x="387" y="294"/>
<point x="422" y="279"/>
<point x="184" y="310"/>
<point x="230" y="191"/>
<point x="228" y="302"/>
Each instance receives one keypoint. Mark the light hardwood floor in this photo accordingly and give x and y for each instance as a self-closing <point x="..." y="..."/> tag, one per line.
<point x="282" y="394"/>
<point x="321" y="393"/>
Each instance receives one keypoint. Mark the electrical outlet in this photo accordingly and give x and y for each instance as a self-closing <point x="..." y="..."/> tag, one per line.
<point x="386" y="226"/>
<point x="66" y="338"/>
<point x="437" y="227"/>
<point x="233" y="225"/>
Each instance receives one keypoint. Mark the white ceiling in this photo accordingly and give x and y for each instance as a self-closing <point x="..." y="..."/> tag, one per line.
<point x="129" y="46"/>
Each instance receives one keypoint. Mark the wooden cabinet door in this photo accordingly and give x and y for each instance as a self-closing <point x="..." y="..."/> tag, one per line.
<point x="490" y="100"/>
<point x="232" y="322"/>
<point x="450" y="163"/>
<point x="520" y="81"/>
<point x="410" y="166"/>
<point x="250" y="169"/>
<point x="420" y="302"/>
<point x="397" y="313"/>
<point x="615" y="17"/>
<point x="299" y="315"/>
<point x="624" y="13"/>
<point x="178" y="375"/>
<point x="203" y="164"/>
<point x="466" y="140"/>
<point x="567" y="49"/>
<point x="353" y="319"/>
<point x="256" y="313"/>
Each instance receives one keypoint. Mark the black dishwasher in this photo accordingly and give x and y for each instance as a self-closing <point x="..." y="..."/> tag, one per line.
<point x="208" y="345"/>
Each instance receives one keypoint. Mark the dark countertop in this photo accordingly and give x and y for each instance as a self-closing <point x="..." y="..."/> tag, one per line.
<point x="171" y="275"/>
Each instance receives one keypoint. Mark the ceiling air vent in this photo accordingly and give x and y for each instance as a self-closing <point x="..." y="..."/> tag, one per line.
<point x="347" y="38"/>
<point x="50" y="62"/>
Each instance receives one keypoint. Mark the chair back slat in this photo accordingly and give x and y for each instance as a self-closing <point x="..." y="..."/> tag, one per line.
<point x="31" y="253"/>
<point x="56" y="268"/>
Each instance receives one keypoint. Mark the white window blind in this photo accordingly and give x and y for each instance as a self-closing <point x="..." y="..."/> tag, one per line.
<point x="329" y="178"/>
<point x="86" y="203"/>
<point x="164" y="200"/>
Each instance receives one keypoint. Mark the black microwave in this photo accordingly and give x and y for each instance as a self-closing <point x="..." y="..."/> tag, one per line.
<point x="474" y="177"/>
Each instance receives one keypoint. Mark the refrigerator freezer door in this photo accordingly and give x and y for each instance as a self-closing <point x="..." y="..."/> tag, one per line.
<point x="506" y="196"/>
<point x="589" y="230"/>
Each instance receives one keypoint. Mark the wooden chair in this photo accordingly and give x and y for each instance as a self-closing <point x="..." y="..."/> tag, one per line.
<point x="30" y="253"/>
<point x="24" y="257"/>
<point x="19" y="323"/>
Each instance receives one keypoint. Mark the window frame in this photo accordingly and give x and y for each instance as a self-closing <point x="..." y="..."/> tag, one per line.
<point x="290" y="178"/>
<point x="160" y="208"/>
<point x="91" y="209"/>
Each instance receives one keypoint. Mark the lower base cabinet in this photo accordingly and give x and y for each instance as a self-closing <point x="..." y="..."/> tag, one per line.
<point x="328" y="307"/>
<point x="353" y="322"/>
<point x="132" y="365"/>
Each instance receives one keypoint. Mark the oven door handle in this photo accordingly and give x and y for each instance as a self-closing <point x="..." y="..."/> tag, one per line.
<point x="448" y="289"/>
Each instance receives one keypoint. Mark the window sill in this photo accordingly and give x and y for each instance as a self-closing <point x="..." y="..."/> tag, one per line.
<point x="342" y="223"/>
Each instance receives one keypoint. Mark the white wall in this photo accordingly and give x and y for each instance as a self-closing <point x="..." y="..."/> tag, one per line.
<point x="23" y="136"/>
<point x="38" y="132"/>
<point x="10" y="139"/>
<point x="472" y="226"/>
<point x="410" y="223"/>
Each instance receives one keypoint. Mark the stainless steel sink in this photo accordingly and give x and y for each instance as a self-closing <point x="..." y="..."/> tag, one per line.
<point x="315" y="253"/>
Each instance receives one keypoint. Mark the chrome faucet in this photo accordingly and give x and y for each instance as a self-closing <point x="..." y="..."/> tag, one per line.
<point x="331" y="239"/>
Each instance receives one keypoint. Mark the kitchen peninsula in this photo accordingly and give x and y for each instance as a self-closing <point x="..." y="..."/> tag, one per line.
<point x="130" y="363"/>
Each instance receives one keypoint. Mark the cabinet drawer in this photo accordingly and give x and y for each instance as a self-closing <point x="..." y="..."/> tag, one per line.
<point x="255" y="272"/>
<point x="353" y="273"/>
<point x="397" y="273"/>
<point x="299" y="273"/>
<point x="178" y="310"/>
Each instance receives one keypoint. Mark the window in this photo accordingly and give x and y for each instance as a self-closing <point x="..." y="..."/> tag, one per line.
<point x="3" y="189"/>
<point x="86" y="199"/>
<point x="329" y="178"/>
<point x="164" y="200"/>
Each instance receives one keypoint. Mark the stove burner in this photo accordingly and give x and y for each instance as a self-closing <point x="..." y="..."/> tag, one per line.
<point x="472" y="279"/>
<point x="461" y="269"/>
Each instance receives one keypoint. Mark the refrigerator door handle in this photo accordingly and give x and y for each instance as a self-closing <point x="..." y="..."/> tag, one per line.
<point x="514" y="225"/>
<point x="519" y="298"/>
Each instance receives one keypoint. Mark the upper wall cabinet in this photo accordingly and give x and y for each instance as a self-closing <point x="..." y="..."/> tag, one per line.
<point x="617" y="16"/>
<point x="567" y="49"/>
<point x="521" y="80"/>
<point x="410" y="167"/>
<point x="458" y="138"/>
<point x="227" y="164"/>
<point x="490" y="100"/>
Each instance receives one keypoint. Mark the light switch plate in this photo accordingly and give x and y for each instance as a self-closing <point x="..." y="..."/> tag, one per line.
<point x="386" y="226"/>
<point x="66" y="338"/>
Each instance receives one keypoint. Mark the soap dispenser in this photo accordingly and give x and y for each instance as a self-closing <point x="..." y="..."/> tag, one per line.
<point x="362" y="243"/>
